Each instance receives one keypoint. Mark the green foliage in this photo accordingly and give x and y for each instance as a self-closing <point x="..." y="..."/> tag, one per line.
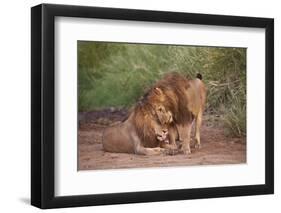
<point x="117" y="74"/>
<point x="235" y="118"/>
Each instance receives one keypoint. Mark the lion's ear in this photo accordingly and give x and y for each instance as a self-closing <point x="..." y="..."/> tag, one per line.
<point x="158" y="91"/>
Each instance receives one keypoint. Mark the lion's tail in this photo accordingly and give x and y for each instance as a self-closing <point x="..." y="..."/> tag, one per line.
<point x="199" y="76"/>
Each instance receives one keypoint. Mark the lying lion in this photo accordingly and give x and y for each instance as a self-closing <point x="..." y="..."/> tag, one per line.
<point x="142" y="132"/>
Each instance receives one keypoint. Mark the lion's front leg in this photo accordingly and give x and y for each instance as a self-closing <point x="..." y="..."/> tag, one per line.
<point x="149" y="151"/>
<point x="141" y="150"/>
<point x="184" y="137"/>
<point x="170" y="144"/>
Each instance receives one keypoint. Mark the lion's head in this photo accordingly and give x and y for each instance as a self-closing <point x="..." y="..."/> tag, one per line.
<point x="164" y="116"/>
<point x="172" y="92"/>
<point x="164" y="119"/>
<point x="151" y="120"/>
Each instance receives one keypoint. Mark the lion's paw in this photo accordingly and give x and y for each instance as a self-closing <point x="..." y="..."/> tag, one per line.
<point x="186" y="151"/>
<point x="197" y="146"/>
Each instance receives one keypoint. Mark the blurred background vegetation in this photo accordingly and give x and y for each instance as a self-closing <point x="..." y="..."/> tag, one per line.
<point x="117" y="74"/>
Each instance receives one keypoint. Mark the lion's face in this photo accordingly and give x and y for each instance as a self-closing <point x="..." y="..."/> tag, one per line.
<point x="164" y="117"/>
<point x="161" y="133"/>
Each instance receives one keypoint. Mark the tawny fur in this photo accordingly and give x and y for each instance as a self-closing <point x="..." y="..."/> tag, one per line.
<point x="173" y="98"/>
<point x="139" y="132"/>
<point x="185" y="99"/>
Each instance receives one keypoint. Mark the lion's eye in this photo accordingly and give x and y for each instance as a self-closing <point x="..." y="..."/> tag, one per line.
<point x="160" y="109"/>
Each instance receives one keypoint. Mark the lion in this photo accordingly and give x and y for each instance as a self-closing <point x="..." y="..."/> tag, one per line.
<point x="185" y="99"/>
<point x="163" y="116"/>
<point x="144" y="132"/>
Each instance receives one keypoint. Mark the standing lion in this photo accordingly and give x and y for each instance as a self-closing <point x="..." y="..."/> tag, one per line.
<point x="185" y="99"/>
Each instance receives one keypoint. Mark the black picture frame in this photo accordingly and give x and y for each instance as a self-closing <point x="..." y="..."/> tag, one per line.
<point x="43" y="117"/>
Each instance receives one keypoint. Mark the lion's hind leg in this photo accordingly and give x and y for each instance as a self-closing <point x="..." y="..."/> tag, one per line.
<point x="198" y="123"/>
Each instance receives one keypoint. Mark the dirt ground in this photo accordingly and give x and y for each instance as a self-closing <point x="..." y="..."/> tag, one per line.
<point x="217" y="148"/>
